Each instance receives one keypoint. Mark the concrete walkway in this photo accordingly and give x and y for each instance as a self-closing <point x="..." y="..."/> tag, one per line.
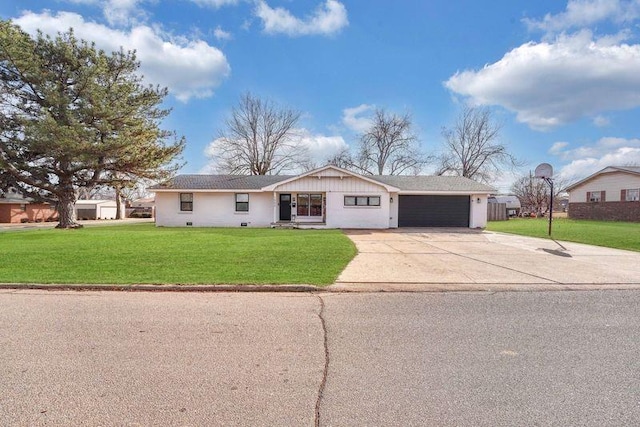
<point x="468" y="260"/>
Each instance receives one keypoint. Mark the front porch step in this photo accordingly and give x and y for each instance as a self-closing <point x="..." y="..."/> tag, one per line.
<point x="301" y="225"/>
<point x="284" y="225"/>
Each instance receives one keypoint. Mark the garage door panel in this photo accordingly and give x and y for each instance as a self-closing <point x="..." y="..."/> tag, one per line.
<point x="433" y="211"/>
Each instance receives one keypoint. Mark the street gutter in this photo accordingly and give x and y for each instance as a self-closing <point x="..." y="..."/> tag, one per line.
<point x="161" y="288"/>
<point x="335" y="288"/>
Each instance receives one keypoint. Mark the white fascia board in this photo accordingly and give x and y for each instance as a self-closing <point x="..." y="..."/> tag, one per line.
<point x="193" y="190"/>
<point x="442" y="193"/>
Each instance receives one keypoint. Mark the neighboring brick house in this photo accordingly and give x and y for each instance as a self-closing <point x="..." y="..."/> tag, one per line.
<point x="610" y="194"/>
<point x="14" y="208"/>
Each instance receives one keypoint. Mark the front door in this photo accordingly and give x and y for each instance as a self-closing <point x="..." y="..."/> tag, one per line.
<point x="285" y="207"/>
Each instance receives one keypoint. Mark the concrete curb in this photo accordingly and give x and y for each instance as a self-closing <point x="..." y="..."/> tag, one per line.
<point x="478" y="287"/>
<point x="335" y="288"/>
<point x="160" y="288"/>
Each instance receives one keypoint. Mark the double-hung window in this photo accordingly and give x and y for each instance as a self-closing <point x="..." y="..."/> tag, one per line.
<point x="186" y="202"/>
<point x="632" y="194"/>
<point x="595" y="196"/>
<point x="242" y="202"/>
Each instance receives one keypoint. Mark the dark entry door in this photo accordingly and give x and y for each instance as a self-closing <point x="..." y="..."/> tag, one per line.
<point x="285" y="207"/>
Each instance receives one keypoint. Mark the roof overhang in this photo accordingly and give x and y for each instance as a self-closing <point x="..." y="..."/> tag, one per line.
<point x="206" y="190"/>
<point x="442" y="193"/>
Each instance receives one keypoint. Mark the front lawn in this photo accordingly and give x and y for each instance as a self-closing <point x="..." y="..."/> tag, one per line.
<point x="142" y="253"/>
<point x="612" y="234"/>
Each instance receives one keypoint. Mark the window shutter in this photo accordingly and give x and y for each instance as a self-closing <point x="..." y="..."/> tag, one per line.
<point x="588" y="196"/>
<point x="603" y="196"/>
<point x="623" y="195"/>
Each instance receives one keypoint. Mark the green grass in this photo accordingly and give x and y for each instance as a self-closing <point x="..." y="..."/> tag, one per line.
<point x="143" y="253"/>
<point x="612" y="234"/>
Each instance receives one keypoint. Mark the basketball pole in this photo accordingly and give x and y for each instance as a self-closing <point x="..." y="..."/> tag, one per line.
<point x="550" y="181"/>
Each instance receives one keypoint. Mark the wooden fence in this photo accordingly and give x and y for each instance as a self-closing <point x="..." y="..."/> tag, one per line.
<point x="497" y="212"/>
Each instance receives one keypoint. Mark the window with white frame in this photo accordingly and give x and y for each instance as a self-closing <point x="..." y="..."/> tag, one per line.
<point x="242" y="202"/>
<point x="632" y="194"/>
<point x="358" y="201"/>
<point x="186" y="202"/>
<point x="595" y="196"/>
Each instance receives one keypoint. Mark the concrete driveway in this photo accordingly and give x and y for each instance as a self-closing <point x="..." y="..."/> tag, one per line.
<point x="462" y="259"/>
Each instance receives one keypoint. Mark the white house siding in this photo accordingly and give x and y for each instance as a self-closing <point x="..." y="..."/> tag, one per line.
<point x="341" y="216"/>
<point x="349" y="184"/>
<point x="611" y="183"/>
<point x="335" y="188"/>
<point x="478" y="211"/>
<point x="214" y="210"/>
<point x="393" y="210"/>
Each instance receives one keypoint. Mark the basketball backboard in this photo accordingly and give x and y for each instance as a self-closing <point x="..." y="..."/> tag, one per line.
<point x="544" y="170"/>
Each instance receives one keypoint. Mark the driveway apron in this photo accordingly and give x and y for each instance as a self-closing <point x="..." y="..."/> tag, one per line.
<point x="464" y="259"/>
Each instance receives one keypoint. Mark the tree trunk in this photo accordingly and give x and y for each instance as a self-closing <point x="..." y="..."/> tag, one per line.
<point x="66" y="213"/>
<point x="119" y="211"/>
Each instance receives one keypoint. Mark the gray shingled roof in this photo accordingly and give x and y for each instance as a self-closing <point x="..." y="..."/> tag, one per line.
<point x="256" y="182"/>
<point x="431" y="183"/>
<point x="220" y="182"/>
<point x="635" y="169"/>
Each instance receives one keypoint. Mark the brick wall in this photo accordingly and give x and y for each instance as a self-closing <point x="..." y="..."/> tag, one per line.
<point x="35" y="212"/>
<point x="610" y="211"/>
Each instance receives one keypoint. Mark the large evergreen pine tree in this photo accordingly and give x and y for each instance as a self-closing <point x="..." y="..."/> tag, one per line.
<point x="73" y="116"/>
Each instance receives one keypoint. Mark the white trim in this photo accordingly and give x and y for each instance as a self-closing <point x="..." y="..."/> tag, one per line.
<point x="443" y="193"/>
<point x="195" y="190"/>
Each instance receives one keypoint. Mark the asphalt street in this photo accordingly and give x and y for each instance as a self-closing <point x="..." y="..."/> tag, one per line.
<point x="330" y="359"/>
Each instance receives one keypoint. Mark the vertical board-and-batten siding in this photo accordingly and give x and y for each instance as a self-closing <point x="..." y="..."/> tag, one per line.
<point x="611" y="183"/>
<point x="346" y="184"/>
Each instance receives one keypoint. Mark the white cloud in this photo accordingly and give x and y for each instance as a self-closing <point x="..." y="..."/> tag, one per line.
<point x="552" y="83"/>
<point x="216" y="3"/>
<point x="189" y="68"/>
<point x="329" y="18"/>
<point x="588" y="159"/>
<point x="584" y="13"/>
<point x="321" y="148"/>
<point x="353" y="117"/>
<point x="117" y="12"/>
<point x="122" y="12"/>
<point x="556" y="148"/>
<point x="221" y="34"/>
<point x="601" y="121"/>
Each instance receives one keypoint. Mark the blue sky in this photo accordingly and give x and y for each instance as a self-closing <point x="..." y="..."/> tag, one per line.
<point x="563" y="78"/>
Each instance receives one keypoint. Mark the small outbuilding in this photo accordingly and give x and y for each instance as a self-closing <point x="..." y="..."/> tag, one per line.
<point x="511" y="201"/>
<point x="95" y="209"/>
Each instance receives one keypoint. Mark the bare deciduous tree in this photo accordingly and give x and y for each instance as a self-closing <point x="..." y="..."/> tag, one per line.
<point x="388" y="147"/>
<point x="259" y="139"/>
<point x="534" y="192"/>
<point x="472" y="147"/>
